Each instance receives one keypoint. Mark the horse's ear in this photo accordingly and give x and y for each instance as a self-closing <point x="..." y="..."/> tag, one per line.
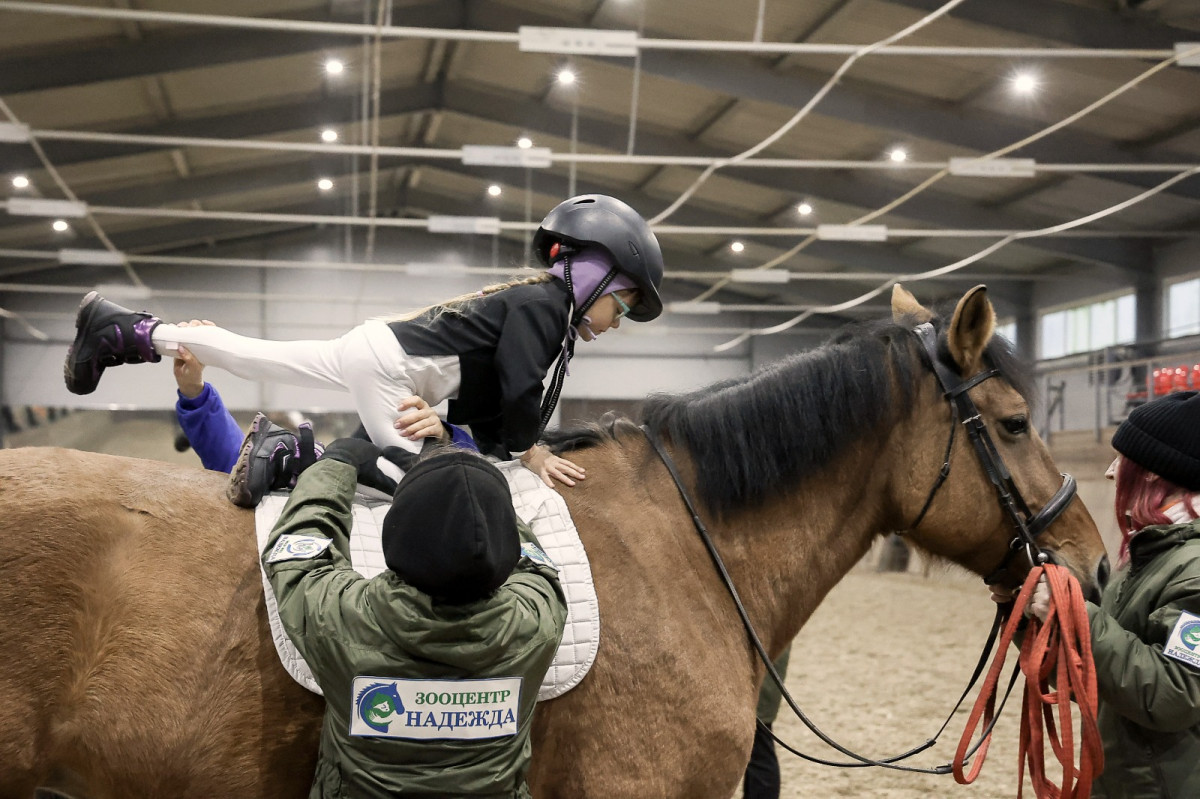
<point x="971" y="329"/>
<point x="905" y="306"/>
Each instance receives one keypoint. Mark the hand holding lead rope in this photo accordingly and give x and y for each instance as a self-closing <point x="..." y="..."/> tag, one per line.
<point x="1056" y="659"/>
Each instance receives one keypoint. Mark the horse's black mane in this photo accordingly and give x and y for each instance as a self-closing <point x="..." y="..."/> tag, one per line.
<point x="749" y="435"/>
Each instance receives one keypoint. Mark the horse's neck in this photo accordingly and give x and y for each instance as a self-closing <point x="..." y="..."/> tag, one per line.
<point x="785" y="556"/>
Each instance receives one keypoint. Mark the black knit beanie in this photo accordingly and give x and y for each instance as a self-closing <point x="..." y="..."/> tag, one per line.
<point x="1163" y="436"/>
<point x="451" y="531"/>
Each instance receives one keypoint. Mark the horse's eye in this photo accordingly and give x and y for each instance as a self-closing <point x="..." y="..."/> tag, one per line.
<point x="1016" y="425"/>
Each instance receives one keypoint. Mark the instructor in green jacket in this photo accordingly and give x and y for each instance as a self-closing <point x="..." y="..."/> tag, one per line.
<point x="431" y="669"/>
<point x="1146" y="629"/>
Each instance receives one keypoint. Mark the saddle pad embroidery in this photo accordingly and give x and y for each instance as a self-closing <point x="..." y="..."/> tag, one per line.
<point x="536" y="505"/>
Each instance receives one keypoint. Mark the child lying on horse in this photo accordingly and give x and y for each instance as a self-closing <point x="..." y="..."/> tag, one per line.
<point x="268" y="456"/>
<point x="487" y="353"/>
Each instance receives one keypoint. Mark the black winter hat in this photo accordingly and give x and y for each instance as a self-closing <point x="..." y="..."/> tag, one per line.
<point x="451" y="531"/>
<point x="1163" y="436"/>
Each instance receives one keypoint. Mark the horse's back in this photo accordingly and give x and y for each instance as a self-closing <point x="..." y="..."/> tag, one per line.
<point x="134" y="607"/>
<point x="42" y="471"/>
<point x="82" y="521"/>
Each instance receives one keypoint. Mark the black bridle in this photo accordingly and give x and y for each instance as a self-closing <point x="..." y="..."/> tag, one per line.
<point x="1027" y="524"/>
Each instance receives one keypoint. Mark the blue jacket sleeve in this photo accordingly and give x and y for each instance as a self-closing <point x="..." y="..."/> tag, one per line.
<point x="210" y="429"/>
<point x="461" y="438"/>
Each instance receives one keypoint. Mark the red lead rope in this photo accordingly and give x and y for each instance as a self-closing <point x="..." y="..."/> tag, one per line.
<point x="1057" y="652"/>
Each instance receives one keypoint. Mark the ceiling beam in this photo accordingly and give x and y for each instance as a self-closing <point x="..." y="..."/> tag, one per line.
<point x="863" y="104"/>
<point x="254" y="123"/>
<point x="854" y="101"/>
<point x="202" y="238"/>
<point x="550" y="184"/>
<point x="887" y="259"/>
<point x="169" y="49"/>
<point x="864" y="190"/>
<point x="1074" y="24"/>
<point x="1078" y="25"/>
<point x="909" y="115"/>
<point x="739" y="77"/>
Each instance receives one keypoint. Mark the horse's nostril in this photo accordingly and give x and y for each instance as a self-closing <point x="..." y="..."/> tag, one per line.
<point x="1102" y="572"/>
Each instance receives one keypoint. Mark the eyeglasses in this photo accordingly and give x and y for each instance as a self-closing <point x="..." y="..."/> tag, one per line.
<point x="623" y="309"/>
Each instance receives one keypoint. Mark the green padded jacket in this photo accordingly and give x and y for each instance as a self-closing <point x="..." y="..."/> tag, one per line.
<point x="1143" y="637"/>
<point x="423" y="698"/>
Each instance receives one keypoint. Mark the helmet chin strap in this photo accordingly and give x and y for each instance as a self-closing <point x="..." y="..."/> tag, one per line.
<point x="576" y="318"/>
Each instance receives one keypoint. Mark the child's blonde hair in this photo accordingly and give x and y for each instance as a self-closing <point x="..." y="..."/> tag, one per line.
<point x="456" y="304"/>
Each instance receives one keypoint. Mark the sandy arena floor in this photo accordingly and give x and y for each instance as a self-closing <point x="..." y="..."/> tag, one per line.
<point x="878" y="667"/>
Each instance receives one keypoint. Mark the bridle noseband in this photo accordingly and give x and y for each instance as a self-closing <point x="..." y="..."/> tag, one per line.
<point x="1027" y="525"/>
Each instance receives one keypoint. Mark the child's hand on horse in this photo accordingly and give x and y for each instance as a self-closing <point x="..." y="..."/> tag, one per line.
<point x="421" y="421"/>
<point x="189" y="372"/>
<point x="546" y="465"/>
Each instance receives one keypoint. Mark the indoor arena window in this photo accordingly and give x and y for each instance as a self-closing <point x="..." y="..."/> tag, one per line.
<point x="1088" y="326"/>
<point x="1183" y="308"/>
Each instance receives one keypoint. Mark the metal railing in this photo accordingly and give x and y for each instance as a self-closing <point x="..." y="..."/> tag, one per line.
<point x="1112" y="398"/>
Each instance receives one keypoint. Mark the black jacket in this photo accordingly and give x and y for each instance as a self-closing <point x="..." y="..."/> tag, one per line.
<point x="506" y="343"/>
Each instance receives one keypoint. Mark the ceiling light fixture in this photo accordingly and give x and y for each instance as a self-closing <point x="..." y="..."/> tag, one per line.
<point x="566" y="77"/>
<point x="329" y="135"/>
<point x="898" y="154"/>
<point x="324" y="184"/>
<point x="1025" y="83"/>
<point x="494" y="190"/>
<point x="20" y="182"/>
<point x="60" y="226"/>
<point x="334" y="67"/>
<point x="524" y="142"/>
<point x="737" y="246"/>
<point x="804" y="209"/>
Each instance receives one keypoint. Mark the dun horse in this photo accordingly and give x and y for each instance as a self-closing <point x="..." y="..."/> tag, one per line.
<point x="135" y="657"/>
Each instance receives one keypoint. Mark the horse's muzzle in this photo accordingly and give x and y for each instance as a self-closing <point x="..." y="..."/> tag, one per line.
<point x="1093" y="586"/>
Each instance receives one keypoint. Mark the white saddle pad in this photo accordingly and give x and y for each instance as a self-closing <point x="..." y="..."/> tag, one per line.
<point x="536" y="505"/>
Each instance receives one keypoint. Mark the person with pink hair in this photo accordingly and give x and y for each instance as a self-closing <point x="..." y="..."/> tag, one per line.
<point x="1146" y="630"/>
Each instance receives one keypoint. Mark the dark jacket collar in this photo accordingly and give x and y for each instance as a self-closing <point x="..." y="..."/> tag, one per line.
<point x="1151" y="541"/>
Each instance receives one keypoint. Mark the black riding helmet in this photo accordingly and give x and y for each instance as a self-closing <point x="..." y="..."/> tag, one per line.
<point x="602" y="221"/>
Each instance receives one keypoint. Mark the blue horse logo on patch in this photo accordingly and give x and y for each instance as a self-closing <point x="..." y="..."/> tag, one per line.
<point x="302" y="548"/>
<point x="1190" y="635"/>
<point x="378" y="705"/>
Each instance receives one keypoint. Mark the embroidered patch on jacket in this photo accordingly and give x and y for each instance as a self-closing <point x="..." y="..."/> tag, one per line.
<point x="429" y="709"/>
<point x="535" y="553"/>
<point x="1185" y="640"/>
<point x="298" y="547"/>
